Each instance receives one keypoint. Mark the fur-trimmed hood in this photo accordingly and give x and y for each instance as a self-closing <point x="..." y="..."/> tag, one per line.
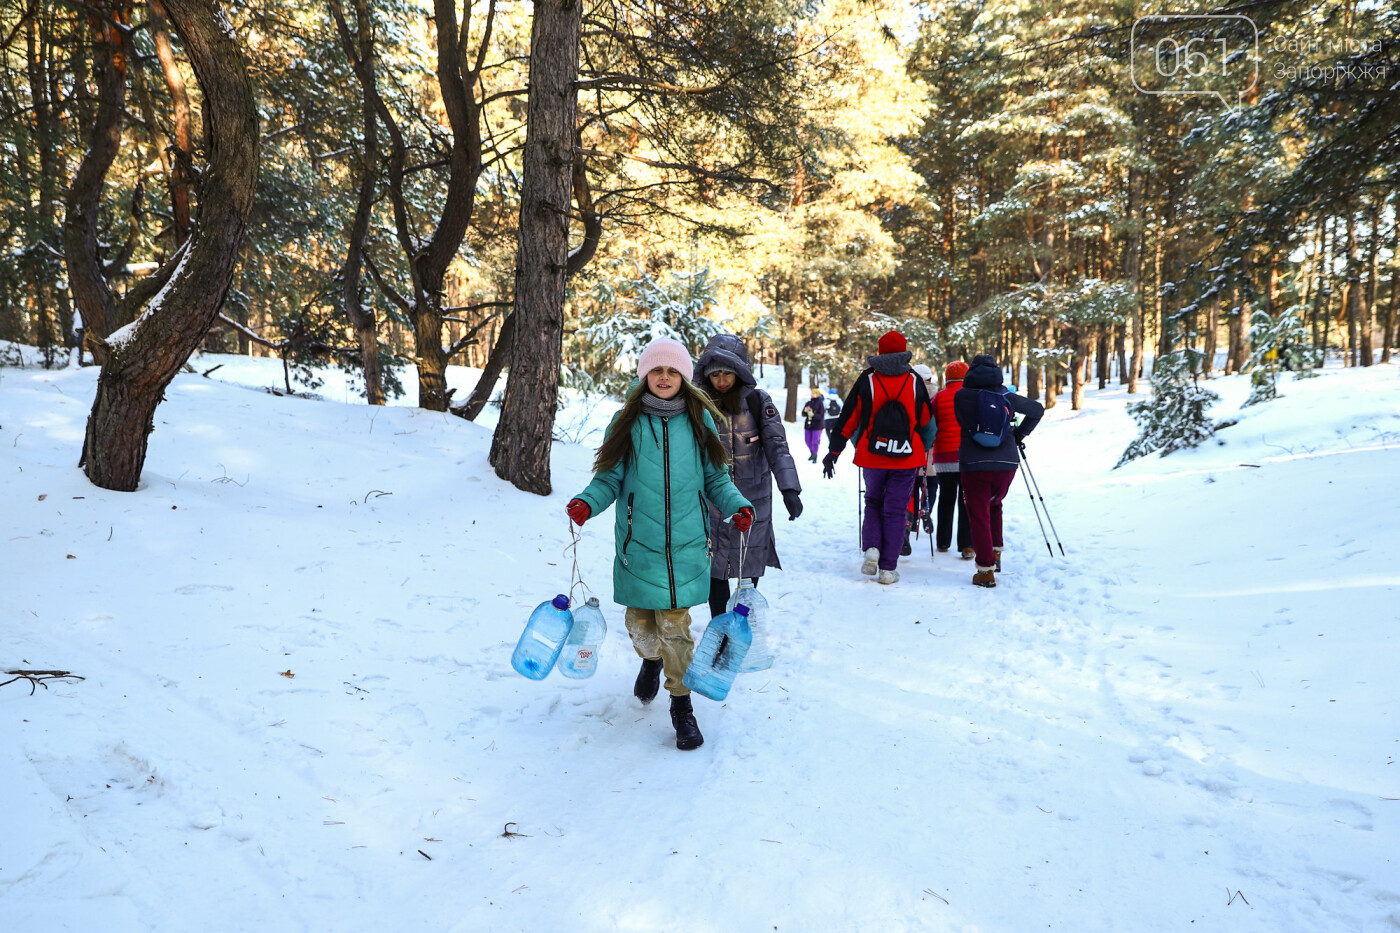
<point x="725" y="351"/>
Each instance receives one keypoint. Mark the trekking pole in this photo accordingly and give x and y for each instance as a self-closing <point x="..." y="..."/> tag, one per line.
<point x="1027" y="465"/>
<point x="1037" y="514"/>
<point x="860" y="481"/>
<point x="928" y="505"/>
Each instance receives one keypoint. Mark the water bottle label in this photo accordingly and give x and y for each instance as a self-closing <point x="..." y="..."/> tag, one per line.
<point x="586" y="659"/>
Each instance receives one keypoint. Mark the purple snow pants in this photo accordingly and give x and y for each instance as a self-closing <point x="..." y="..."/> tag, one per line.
<point x="887" y="495"/>
<point x="814" y="441"/>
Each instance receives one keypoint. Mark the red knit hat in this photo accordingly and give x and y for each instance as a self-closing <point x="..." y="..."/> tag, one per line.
<point x="954" y="371"/>
<point x="893" y="342"/>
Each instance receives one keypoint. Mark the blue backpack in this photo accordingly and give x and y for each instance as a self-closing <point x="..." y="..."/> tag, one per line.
<point x="993" y="418"/>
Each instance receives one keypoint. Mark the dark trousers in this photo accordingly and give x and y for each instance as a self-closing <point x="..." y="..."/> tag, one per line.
<point x="719" y="594"/>
<point x="949" y="497"/>
<point x="887" y="495"/>
<point x="983" y="492"/>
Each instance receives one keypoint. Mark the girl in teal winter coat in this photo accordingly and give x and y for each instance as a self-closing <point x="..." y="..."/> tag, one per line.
<point x="662" y="463"/>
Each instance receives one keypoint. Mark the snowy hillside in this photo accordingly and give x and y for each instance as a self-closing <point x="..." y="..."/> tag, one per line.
<point x="297" y="711"/>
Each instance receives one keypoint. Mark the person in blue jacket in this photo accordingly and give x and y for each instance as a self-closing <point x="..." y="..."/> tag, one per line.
<point x="662" y="462"/>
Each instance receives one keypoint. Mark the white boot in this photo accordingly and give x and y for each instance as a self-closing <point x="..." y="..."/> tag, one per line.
<point x="871" y="562"/>
<point x="888" y="576"/>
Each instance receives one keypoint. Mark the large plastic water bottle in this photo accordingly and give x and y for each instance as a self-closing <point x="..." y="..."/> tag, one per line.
<point x="760" y="654"/>
<point x="720" y="654"/>
<point x="543" y="638"/>
<point x="580" y="656"/>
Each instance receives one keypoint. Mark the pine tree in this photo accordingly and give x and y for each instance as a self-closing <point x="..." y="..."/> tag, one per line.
<point x="1174" y="417"/>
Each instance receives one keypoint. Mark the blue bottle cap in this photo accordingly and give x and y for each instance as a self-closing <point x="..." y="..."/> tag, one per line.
<point x="742" y="610"/>
<point x="561" y="601"/>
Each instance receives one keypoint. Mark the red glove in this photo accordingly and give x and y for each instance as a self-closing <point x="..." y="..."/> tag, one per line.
<point x="578" y="511"/>
<point x="743" y="519"/>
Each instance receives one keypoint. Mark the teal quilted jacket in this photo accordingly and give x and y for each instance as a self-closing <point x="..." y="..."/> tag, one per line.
<point x="662" y="522"/>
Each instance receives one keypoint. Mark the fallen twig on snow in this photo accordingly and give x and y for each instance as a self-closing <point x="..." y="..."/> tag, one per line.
<point x="38" y="678"/>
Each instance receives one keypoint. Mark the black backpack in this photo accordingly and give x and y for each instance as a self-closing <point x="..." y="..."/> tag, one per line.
<point x="891" y="434"/>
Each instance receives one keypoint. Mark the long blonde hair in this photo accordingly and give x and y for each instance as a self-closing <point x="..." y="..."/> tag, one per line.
<point x="617" y="446"/>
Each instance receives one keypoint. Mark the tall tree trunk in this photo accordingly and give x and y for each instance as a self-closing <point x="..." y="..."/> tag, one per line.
<point x="1239" y="341"/>
<point x="1166" y="268"/>
<point x="579" y="257"/>
<point x="1102" y="356"/>
<point x="1322" y="314"/>
<point x="1120" y="350"/>
<point x="1388" y="336"/>
<point x="1239" y="324"/>
<point x="1033" y="368"/>
<point x="1077" y="365"/>
<point x="521" y="444"/>
<point x="53" y="313"/>
<point x="458" y="75"/>
<point x="792" y="384"/>
<point x="1352" y="306"/>
<point x="1368" y="310"/>
<point x="359" y="48"/>
<point x="1212" y="334"/>
<point x="139" y="361"/>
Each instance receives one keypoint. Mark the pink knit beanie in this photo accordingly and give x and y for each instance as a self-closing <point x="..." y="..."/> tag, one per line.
<point x="663" y="351"/>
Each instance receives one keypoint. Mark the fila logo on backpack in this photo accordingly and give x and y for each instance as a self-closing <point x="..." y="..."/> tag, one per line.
<point x="890" y="434"/>
<point x="993" y="418"/>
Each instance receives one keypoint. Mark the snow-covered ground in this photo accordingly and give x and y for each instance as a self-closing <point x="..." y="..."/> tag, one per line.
<point x="298" y="712"/>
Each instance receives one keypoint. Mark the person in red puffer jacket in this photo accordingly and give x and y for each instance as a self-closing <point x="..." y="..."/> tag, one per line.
<point x="943" y="464"/>
<point x="888" y="416"/>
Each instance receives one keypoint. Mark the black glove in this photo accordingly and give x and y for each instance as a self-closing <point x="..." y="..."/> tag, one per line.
<point x="793" y="503"/>
<point x="829" y="464"/>
<point x="1020" y="444"/>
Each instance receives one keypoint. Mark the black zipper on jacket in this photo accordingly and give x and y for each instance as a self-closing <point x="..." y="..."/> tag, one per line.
<point x="705" y="517"/>
<point x="666" y="473"/>
<point x="628" y="540"/>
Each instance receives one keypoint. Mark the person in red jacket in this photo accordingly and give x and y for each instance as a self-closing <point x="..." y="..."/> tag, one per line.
<point x="887" y="414"/>
<point x="943" y="464"/>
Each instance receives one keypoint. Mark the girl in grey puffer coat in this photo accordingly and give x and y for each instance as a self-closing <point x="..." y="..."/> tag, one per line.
<point x="753" y="434"/>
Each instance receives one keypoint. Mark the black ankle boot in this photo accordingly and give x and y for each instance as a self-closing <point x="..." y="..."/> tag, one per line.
<point x="683" y="718"/>
<point x="648" y="680"/>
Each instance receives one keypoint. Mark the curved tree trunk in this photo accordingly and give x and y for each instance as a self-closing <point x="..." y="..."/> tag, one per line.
<point x="87" y="284"/>
<point x="481" y="393"/>
<point x="520" y="447"/>
<point x="139" y="360"/>
<point x="181" y="131"/>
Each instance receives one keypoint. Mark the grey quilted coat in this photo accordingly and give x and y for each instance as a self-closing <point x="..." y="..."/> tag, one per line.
<point x="758" y="455"/>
